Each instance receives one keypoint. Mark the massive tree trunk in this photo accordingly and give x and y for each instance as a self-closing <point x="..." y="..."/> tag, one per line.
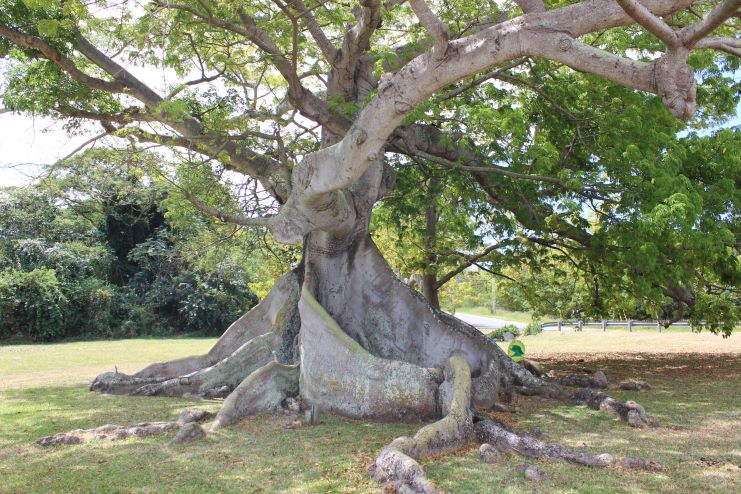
<point x="366" y="344"/>
<point x="346" y="335"/>
<point x="341" y="331"/>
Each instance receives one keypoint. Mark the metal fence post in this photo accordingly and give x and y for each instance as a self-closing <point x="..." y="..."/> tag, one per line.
<point x="559" y="325"/>
<point x="630" y="325"/>
<point x="581" y="326"/>
<point x="604" y="325"/>
<point x="658" y="325"/>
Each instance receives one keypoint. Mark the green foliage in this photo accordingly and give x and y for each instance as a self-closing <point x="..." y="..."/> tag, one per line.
<point x="601" y="201"/>
<point x="32" y="303"/>
<point x="88" y="252"/>
<point x="533" y="328"/>
<point x="498" y="334"/>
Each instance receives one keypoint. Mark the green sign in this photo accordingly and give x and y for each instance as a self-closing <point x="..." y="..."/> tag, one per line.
<point x="516" y="350"/>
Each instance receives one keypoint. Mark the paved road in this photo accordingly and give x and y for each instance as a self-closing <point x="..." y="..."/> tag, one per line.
<point x="482" y="322"/>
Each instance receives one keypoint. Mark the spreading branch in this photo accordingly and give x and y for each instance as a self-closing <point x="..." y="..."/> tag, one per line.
<point x="438" y="31"/>
<point x="724" y="10"/>
<point x="652" y="23"/>
<point x="235" y="219"/>
<point x="52" y="54"/>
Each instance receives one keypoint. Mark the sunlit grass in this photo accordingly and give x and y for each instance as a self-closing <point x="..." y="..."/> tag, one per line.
<point x="700" y="395"/>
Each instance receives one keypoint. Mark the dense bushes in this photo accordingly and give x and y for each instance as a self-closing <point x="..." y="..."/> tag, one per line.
<point x="108" y="264"/>
<point x="32" y="303"/>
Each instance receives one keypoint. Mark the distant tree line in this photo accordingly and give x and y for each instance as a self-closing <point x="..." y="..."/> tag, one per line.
<point x="95" y="250"/>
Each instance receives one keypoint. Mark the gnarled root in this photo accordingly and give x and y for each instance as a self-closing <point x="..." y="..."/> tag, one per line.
<point x="266" y="332"/>
<point x="397" y="462"/>
<point x="630" y="411"/>
<point x="116" y="432"/>
<point x="506" y="441"/>
<point x="262" y="391"/>
<point x="596" y="380"/>
<point x="109" y="431"/>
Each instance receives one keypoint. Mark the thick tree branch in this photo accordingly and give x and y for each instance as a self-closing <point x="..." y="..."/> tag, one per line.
<point x="52" y="54"/>
<point x="235" y="219"/>
<point x="134" y="86"/>
<point x="694" y="32"/>
<point x="325" y="45"/>
<point x="467" y="261"/>
<point x="652" y="23"/>
<point x="345" y="69"/>
<point x="728" y="45"/>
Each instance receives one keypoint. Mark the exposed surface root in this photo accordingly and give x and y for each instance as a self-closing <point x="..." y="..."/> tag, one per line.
<point x="196" y="415"/>
<point x="113" y="432"/>
<point x="397" y="462"/>
<point x="634" y="385"/>
<point x="109" y="431"/>
<point x="630" y="411"/>
<point x="488" y="431"/>
<point x="596" y="380"/>
<point x="224" y="375"/>
<point x="269" y="331"/>
<point x="262" y="391"/>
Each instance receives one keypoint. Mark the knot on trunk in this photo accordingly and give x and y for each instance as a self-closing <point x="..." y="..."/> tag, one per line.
<point x="675" y="83"/>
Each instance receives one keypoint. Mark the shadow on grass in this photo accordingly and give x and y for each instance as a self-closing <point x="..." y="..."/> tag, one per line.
<point x="30" y="413"/>
<point x="259" y="455"/>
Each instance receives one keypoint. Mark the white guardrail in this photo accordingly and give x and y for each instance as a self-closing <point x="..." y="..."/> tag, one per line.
<point x="580" y="325"/>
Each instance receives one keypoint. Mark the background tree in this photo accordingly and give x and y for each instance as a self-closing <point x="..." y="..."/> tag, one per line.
<point x="88" y="252"/>
<point x="309" y="101"/>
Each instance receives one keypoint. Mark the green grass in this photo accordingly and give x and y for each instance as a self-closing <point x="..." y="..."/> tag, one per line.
<point x="699" y="392"/>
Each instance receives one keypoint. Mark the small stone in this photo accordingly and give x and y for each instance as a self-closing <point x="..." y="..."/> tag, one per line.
<point x="600" y="379"/>
<point x="292" y="424"/>
<point x="293" y="405"/>
<point x="489" y="454"/>
<point x="507" y="336"/>
<point x="604" y="460"/>
<point x="532" y="473"/>
<point x="192" y="431"/>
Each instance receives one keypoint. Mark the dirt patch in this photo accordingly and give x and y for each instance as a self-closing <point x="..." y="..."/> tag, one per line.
<point x="623" y="366"/>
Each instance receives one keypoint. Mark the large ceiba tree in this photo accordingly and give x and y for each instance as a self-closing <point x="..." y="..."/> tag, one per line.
<point x="313" y="102"/>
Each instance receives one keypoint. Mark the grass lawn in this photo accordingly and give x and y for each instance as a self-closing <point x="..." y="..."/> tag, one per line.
<point x="695" y="396"/>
